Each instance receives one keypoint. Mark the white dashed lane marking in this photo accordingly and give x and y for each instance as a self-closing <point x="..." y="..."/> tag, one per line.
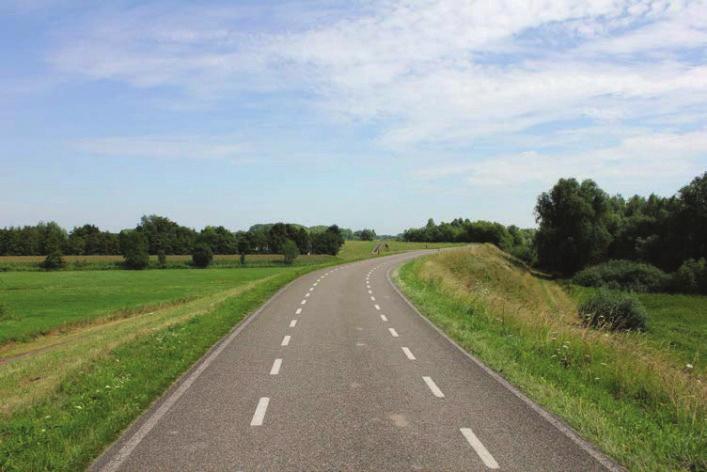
<point x="373" y="299"/>
<point x="298" y="311"/>
<point x="303" y="302"/>
<point x="483" y="453"/>
<point x="377" y="307"/>
<point x="408" y="353"/>
<point x="393" y="332"/>
<point x="433" y="386"/>
<point x="285" y="340"/>
<point x="260" y="410"/>
<point x="384" y="318"/>
<point x="276" y="367"/>
<point x="293" y="323"/>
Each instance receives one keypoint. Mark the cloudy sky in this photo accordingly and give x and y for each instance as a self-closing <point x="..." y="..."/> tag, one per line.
<point x="360" y="112"/>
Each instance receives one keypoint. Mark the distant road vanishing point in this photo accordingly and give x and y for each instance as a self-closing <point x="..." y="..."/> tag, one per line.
<point x="339" y="372"/>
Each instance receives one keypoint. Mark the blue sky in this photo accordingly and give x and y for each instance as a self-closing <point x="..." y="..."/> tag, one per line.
<point x="365" y="113"/>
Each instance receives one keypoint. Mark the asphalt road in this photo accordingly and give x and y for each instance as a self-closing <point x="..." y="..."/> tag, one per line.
<point x="339" y="372"/>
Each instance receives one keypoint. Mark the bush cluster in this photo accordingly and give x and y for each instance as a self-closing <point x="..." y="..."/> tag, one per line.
<point x="624" y="275"/>
<point x="53" y="261"/>
<point x="691" y="277"/>
<point x="202" y="256"/>
<point x="613" y="311"/>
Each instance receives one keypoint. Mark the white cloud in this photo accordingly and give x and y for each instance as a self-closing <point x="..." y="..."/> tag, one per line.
<point x="634" y="159"/>
<point x="432" y="72"/>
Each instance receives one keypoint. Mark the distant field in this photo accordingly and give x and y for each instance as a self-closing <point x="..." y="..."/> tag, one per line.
<point x="352" y="250"/>
<point x="113" y="261"/>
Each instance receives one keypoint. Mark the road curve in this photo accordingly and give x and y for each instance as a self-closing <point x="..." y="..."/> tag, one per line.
<point x="339" y="372"/>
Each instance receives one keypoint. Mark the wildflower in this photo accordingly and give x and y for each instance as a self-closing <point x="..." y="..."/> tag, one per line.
<point x="689" y="366"/>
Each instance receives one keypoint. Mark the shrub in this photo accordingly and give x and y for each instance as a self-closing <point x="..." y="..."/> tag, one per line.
<point x="624" y="275"/>
<point x="133" y="246"/>
<point x="691" y="277"/>
<point x="613" y="311"/>
<point x="53" y="261"/>
<point x="290" y="251"/>
<point x="202" y="255"/>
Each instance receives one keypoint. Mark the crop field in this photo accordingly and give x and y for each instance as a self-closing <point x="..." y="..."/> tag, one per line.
<point x="602" y="383"/>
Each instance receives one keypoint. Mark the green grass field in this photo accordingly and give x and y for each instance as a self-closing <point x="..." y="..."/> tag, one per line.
<point x="629" y="393"/>
<point x="677" y="324"/>
<point x="37" y="302"/>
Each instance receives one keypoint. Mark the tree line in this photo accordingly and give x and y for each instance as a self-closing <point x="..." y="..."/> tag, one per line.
<point x="164" y="236"/>
<point x="517" y="241"/>
<point x="580" y="225"/>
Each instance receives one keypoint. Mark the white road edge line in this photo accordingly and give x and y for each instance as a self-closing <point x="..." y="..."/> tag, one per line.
<point x="285" y="340"/>
<point x="393" y="332"/>
<point x="433" y="386"/>
<point x="602" y="458"/>
<point x="408" y="353"/>
<point x="293" y="323"/>
<point x="384" y="318"/>
<point x="276" y="367"/>
<point x="260" y="410"/>
<point x="483" y="453"/>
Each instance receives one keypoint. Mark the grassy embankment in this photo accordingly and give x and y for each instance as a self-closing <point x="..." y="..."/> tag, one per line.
<point x="630" y="393"/>
<point x="85" y="352"/>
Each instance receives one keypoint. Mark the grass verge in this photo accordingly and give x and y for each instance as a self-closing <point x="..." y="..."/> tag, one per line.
<point x="619" y="390"/>
<point x="72" y="422"/>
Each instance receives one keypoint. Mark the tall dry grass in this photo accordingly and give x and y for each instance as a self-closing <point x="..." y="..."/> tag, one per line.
<point x="524" y="303"/>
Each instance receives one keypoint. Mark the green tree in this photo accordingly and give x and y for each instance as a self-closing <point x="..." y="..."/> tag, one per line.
<point x="328" y="242"/>
<point x="161" y="258"/>
<point x="219" y="239"/>
<point x="572" y="220"/>
<point x="365" y="235"/>
<point x="244" y="244"/>
<point x="201" y="255"/>
<point x="290" y="251"/>
<point x="133" y="246"/>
